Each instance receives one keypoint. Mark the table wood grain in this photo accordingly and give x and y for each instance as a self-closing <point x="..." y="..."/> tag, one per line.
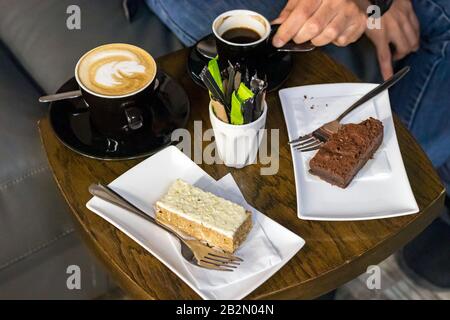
<point x="335" y="252"/>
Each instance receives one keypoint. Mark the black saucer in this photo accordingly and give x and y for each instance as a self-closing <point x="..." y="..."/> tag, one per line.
<point x="277" y="69"/>
<point x="71" y="123"/>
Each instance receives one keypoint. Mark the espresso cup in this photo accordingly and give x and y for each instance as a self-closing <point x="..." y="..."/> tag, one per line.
<point x="245" y="37"/>
<point x="117" y="82"/>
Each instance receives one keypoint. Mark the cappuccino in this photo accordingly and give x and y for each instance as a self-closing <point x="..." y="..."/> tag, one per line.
<point x="116" y="69"/>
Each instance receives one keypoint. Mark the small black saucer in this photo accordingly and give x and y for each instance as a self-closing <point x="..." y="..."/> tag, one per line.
<point x="169" y="110"/>
<point x="277" y="69"/>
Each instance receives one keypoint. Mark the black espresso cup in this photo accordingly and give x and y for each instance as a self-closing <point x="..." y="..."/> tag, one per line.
<point x="245" y="37"/>
<point x="117" y="108"/>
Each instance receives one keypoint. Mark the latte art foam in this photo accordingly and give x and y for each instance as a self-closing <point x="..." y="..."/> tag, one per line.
<point x="116" y="69"/>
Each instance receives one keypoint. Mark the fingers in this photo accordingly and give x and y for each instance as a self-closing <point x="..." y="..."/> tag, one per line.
<point x="290" y="5"/>
<point x="316" y="24"/>
<point x="400" y="28"/>
<point x="403" y="27"/>
<point x="331" y="32"/>
<point x="381" y="42"/>
<point x="322" y="22"/>
<point x="285" y="12"/>
<point x="384" y="58"/>
<point x="345" y="28"/>
<point x="350" y="35"/>
<point x="294" y="22"/>
<point x="340" y="32"/>
<point x="411" y="36"/>
<point x="399" y="39"/>
<point x="415" y="23"/>
<point x="409" y="40"/>
<point x="411" y="17"/>
<point x="353" y="33"/>
<point x="280" y="19"/>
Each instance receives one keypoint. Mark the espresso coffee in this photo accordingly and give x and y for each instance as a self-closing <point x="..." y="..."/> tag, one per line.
<point x="241" y="35"/>
<point x="116" y="69"/>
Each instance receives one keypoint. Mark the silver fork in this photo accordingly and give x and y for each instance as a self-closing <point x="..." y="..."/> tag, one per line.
<point x="315" y="139"/>
<point x="192" y="250"/>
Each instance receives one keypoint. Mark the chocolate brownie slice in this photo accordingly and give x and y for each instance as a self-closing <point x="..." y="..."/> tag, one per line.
<point x="347" y="151"/>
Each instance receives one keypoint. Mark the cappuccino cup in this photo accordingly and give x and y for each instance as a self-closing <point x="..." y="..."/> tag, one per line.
<point x="117" y="82"/>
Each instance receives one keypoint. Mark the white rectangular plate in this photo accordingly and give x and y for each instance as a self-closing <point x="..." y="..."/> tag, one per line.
<point x="380" y="190"/>
<point x="147" y="182"/>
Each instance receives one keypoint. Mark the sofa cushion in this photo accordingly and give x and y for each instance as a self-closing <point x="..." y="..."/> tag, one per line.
<point x="32" y="211"/>
<point x="43" y="275"/>
<point x="37" y="35"/>
<point x="19" y="112"/>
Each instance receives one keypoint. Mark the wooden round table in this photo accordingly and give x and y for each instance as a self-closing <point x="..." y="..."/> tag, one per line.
<point x="335" y="252"/>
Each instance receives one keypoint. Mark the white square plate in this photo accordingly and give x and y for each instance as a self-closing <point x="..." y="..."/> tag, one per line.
<point x="147" y="182"/>
<point x="380" y="190"/>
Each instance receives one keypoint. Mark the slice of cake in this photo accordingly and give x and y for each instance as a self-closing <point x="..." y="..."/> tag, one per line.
<point x="204" y="216"/>
<point x="347" y="151"/>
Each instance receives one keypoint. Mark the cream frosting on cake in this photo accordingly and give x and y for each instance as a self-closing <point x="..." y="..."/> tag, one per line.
<point x="205" y="208"/>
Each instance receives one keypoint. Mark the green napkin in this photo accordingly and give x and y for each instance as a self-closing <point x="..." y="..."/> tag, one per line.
<point x="213" y="67"/>
<point x="244" y="92"/>
<point x="236" y="116"/>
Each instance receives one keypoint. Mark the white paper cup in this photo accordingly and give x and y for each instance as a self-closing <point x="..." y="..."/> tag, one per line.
<point x="237" y="145"/>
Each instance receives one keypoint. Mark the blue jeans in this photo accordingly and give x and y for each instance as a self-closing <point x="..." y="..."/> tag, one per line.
<point x="422" y="99"/>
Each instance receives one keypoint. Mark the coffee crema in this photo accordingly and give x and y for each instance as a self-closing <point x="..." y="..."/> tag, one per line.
<point x="116" y="69"/>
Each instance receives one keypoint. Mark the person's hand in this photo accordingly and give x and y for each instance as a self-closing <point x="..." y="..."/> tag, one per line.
<point x="322" y="21"/>
<point x="400" y="28"/>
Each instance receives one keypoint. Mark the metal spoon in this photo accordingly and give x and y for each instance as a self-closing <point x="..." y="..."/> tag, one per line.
<point x="61" y="96"/>
<point x="256" y="84"/>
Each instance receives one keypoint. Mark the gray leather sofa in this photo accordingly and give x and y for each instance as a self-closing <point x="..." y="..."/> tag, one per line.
<point x="37" y="54"/>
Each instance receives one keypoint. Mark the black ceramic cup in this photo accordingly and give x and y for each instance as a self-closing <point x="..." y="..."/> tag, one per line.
<point x="118" y="116"/>
<point x="252" y="54"/>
